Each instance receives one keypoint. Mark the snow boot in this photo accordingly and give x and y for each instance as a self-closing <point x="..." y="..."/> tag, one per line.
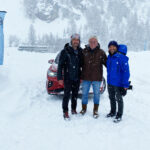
<point x="66" y="116"/>
<point x="74" y="112"/>
<point x="95" y="111"/>
<point x="118" y="118"/>
<point x="84" y="107"/>
<point x="111" y="114"/>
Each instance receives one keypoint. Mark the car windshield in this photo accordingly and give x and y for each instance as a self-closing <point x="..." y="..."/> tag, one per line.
<point x="57" y="58"/>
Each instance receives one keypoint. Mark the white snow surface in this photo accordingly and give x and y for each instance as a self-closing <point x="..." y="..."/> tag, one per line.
<point x="30" y="119"/>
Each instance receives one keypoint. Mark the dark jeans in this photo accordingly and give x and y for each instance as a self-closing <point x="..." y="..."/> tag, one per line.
<point x="70" y="86"/>
<point x="115" y="96"/>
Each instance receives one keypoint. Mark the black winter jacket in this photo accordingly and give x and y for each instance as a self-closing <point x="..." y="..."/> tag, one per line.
<point x="69" y="64"/>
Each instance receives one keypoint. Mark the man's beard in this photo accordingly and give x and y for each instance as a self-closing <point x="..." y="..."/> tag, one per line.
<point x="75" y="45"/>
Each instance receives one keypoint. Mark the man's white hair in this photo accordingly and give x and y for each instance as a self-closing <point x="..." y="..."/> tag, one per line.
<point x="93" y="37"/>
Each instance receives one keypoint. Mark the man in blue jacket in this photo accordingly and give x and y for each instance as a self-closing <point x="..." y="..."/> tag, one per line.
<point x="117" y="77"/>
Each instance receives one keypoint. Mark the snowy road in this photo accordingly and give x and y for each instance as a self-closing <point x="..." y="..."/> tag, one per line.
<point x="32" y="120"/>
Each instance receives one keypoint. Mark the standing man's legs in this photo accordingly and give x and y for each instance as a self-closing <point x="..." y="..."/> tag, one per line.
<point x="96" y="89"/>
<point x="112" y="97"/>
<point x="85" y="91"/>
<point x="119" y="100"/>
<point x="75" y="90"/>
<point x="67" y="90"/>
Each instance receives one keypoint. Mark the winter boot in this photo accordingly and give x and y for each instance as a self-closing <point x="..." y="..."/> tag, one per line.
<point x="118" y="118"/>
<point x="84" y="107"/>
<point x="111" y="114"/>
<point x="66" y="116"/>
<point x="95" y="111"/>
<point x="74" y="112"/>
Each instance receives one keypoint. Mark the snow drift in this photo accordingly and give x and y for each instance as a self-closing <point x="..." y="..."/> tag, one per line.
<point x="32" y="120"/>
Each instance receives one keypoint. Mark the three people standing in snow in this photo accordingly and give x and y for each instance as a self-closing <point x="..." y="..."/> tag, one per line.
<point x="87" y="65"/>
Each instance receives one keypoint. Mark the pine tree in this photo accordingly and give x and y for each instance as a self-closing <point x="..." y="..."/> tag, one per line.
<point x="32" y="35"/>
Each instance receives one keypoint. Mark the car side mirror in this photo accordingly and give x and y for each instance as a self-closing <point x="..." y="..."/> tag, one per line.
<point x="51" y="61"/>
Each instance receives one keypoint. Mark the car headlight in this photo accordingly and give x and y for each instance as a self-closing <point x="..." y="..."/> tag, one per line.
<point x="51" y="74"/>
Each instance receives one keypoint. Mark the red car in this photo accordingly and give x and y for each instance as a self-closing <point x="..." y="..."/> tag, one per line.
<point x="52" y="85"/>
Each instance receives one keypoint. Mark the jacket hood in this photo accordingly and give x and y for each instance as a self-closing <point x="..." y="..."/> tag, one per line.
<point x="66" y="45"/>
<point x="116" y="54"/>
<point x="123" y="49"/>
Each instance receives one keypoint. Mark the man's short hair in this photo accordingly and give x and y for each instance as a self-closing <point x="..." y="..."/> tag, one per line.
<point x="93" y="37"/>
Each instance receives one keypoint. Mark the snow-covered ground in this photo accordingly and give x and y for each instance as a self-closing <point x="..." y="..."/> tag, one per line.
<point x="32" y="120"/>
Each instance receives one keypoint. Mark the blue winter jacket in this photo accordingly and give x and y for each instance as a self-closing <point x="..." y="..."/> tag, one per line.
<point x="118" y="68"/>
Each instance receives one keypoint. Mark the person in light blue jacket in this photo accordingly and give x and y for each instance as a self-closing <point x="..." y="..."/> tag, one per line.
<point x="117" y="77"/>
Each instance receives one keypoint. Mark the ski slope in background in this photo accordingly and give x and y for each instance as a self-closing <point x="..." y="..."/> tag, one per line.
<point x="32" y="120"/>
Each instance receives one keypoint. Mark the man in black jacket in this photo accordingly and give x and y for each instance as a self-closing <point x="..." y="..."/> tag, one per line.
<point x="70" y="65"/>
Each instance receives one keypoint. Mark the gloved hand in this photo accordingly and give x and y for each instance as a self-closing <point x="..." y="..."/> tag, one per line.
<point x="123" y="91"/>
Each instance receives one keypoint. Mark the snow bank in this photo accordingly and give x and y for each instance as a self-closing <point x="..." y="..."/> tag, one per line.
<point x="32" y="120"/>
